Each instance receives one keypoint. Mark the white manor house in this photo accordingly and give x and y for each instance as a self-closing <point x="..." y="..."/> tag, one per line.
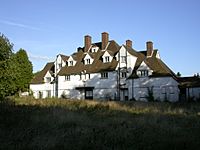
<point x="108" y="71"/>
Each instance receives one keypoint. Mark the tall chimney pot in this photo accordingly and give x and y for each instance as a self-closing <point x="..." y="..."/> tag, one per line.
<point x="105" y="39"/>
<point x="129" y="43"/>
<point x="88" y="42"/>
<point x="149" y="46"/>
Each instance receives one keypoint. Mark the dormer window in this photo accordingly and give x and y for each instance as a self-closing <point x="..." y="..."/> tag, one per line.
<point x="107" y="59"/>
<point x="67" y="78"/>
<point x="104" y="75"/>
<point x="94" y="49"/>
<point x="143" y="73"/>
<point x="48" y="79"/>
<point x="87" y="61"/>
<point x="71" y="63"/>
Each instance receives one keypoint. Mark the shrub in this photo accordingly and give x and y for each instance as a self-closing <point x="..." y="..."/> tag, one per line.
<point x="150" y="96"/>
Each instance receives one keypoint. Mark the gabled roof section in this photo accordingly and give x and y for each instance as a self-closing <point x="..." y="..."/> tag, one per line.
<point x="132" y="51"/>
<point x="92" y="55"/>
<point x="113" y="46"/>
<point x="111" y="53"/>
<point x="188" y="82"/>
<point x="64" y="57"/>
<point x="159" y="68"/>
<point x="39" y="77"/>
<point x="97" y="44"/>
<point x="96" y="66"/>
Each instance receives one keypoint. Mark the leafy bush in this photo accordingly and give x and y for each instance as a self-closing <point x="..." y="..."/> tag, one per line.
<point x="150" y="96"/>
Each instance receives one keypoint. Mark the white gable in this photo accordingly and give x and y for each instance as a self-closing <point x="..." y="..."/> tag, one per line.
<point x="143" y="66"/>
<point x="88" y="59"/>
<point x="48" y="77"/>
<point x="144" y="70"/>
<point x="59" y="63"/>
<point x="158" y="55"/>
<point x="106" y="54"/>
<point x="87" y="56"/>
<point x="94" y="49"/>
<point x="125" y="59"/>
<point x="123" y="51"/>
<point x="107" y="57"/>
<point x="71" y="61"/>
<point x="47" y="74"/>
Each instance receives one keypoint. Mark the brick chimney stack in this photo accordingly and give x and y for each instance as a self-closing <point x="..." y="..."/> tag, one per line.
<point x="129" y="43"/>
<point x="149" y="46"/>
<point x="105" y="39"/>
<point x="88" y="42"/>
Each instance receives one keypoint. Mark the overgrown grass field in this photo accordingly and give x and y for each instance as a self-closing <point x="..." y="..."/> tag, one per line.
<point x="74" y="124"/>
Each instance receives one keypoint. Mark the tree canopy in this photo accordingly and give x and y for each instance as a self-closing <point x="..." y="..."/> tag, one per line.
<point x="5" y="48"/>
<point x="15" y="69"/>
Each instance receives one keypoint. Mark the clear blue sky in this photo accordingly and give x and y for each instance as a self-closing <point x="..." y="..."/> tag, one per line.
<point x="46" y="28"/>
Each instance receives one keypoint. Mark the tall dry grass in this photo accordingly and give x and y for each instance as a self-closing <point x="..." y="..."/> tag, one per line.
<point x="80" y="124"/>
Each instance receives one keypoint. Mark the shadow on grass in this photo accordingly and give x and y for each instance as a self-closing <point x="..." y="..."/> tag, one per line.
<point x="96" y="127"/>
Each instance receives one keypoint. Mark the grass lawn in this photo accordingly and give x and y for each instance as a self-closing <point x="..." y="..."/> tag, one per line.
<point x="74" y="124"/>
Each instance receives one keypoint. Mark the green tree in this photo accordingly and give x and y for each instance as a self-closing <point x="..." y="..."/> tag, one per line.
<point x="5" y="74"/>
<point x="178" y="74"/>
<point x="24" y="70"/>
<point x="5" y="48"/>
<point x="15" y="69"/>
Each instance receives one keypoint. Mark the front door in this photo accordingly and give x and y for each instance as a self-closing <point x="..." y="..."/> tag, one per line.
<point x="88" y="93"/>
<point x="182" y="95"/>
<point x="124" y="94"/>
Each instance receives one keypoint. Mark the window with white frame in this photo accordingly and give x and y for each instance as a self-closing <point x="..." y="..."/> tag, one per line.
<point x="104" y="75"/>
<point x="123" y="74"/>
<point x="144" y="73"/>
<point x="87" y="61"/>
<point x="107" y="59"/>
<point x="67" y="78"/>
<point x="93" y="50"/>
<point x="71" y="63"/>
<point x="48" y="79"/>
<point x="88" y="93"/>
<point x="123" y="59"/>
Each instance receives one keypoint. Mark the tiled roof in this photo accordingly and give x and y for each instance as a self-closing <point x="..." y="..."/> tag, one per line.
<point x="159" y="68"/>
<point x="39" y="77"/>
<point x="96" y="66"/>
<point x="64" y="57"/>
<point x="186" y="82"/>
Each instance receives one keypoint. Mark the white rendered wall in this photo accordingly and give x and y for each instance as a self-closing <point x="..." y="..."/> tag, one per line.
<point x="58" y="61"/>
<point x="164" y="88"/>
<point x="194" y="93"/>
<point x="43" y="88"/>
<point x="131" y="60"/>
<point x="103" y="88"/>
